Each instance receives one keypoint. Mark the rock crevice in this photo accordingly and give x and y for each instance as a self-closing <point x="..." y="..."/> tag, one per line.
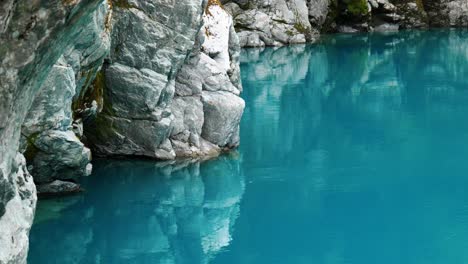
<point x="150" y="78"/>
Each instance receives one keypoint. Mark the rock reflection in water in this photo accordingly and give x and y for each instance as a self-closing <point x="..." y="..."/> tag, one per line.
<point x="377" y="81"/>
<point x="139" y="212"/>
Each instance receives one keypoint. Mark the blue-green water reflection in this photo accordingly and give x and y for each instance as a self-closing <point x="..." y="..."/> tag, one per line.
<point x="353" y="151"/>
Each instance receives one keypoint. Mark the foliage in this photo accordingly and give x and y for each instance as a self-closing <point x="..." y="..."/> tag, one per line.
<point x="357" y="7"/>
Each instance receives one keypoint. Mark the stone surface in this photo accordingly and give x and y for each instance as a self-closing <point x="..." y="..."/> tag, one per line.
<point x="279" y="22"/>
<point x="33" y="36"/>
<point x="168" y="89"/>
<point x="152" y="86"/>
<point x="59" y="155"/>
<point x="447" y="13"/>
<point x="139" y="78"/>
<point x="51" y="149"/>
<point x="58" y="187"/>
<point x="273" y="22"/>
<point x="17" y="214"/>
<point x="223" y="112"/>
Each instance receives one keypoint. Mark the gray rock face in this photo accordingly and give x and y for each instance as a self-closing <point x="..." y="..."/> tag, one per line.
<point x="223" y="111"/>
<point x="274" y="22"/>
<point x="17" y="211"/>
<point x="52" y="51"/>
<point x="318" y="12"/>
<point x="59" y="155"/>
<point x="279" y="22"/>
<point x="139" y="77"/>
<point x="58" y="187"/>
<point x="168" y="89"/>
<point x="33" y="36"/>
<point x="51" y="148"/>
<point x="153" y="84"/>
<point x="447" y="13"/>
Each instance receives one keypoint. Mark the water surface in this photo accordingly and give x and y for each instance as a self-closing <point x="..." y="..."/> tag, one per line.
<point x="354" y="150"/>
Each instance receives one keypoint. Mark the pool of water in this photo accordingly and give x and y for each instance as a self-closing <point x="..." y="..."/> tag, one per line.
<point x="353" y="150"/>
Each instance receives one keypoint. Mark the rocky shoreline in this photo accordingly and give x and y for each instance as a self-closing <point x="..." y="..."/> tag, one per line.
<point x="155" y="79"/>
<point x="282" y="22"/>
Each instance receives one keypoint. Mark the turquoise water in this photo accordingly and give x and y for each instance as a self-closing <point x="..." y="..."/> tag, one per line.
<point x="354" y="150"/>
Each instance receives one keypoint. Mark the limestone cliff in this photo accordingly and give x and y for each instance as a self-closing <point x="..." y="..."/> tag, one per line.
<point x="33" y="36"/>
<point x="145" y="78"/>
<point x="152" y="78"/>
<point x="279" y="22"/>
<point x="50" y="135"/>
<point x="168" y="92"/>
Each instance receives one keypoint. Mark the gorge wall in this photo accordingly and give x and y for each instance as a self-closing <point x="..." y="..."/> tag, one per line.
<point x="156" y="78"/>
<point x="280" y="22"/>
<point x="134" y="78"/>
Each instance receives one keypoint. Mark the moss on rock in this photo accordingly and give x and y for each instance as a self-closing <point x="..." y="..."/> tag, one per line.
<point x="31" y="149"/>
<point x="124" y="4"/>
<point x="301" y="28"/>
<point x="357" y="7"/>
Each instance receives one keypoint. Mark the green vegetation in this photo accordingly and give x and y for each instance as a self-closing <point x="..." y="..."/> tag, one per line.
<point x="301" y="28"/>
<point x="123" y="4"/>
<point x="357" y="7"/>
<point x="31" y="149"/>
<point x="96" y="93"/>
<point x="332" y="15"/>
<point x="420" y="5"/>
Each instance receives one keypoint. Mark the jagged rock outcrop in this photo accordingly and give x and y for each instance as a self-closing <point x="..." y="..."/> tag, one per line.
<point x="447" y="13"/>
<point x="169" y="88"/>
<point x="52" y="149"/>
<point x="375" y="15"/>
<point x="272" y="23"/>
<point x="279" y="22"/>
<point x="51" y="132"/>
<point x="17" y="205"/>
<point x="33" y="36"/>
<point x="140" y="103"/>
<point x="165" y="90"/>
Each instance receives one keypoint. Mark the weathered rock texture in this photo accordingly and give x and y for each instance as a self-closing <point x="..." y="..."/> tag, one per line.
<point x="445" y="13"/>
<point x="33" y="36"/>
<point x="168" y="92"/>
<point x="53" y="151"/>
<point x="145" y="78"/>
<point x="17" y="206"/>
<point x="279" y="22"/>
<point x="169" y="88"/>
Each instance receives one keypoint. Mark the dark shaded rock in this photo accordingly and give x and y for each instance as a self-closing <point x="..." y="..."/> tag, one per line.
<point x="57" y="187"/>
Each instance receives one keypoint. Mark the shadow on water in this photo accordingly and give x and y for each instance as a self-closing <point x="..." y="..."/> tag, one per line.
<point x="353" y="150"/>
